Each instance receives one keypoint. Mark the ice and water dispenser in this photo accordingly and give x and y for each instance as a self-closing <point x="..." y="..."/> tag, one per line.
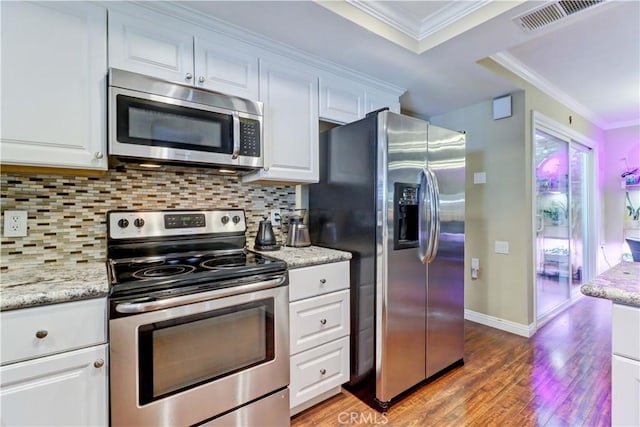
<point x="405" y="223"/>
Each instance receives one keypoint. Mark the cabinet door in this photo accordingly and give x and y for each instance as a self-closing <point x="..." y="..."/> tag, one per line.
<point x="150" y="46"/>
<point x="290" y="96"/>
<point x="341" y="100"/>
<point x="54" y="65"/>
<point x="68" y="389"/>
<point x="227" y="66"/>
<point x="625" y="391"/>
<point x="374" y="100"/>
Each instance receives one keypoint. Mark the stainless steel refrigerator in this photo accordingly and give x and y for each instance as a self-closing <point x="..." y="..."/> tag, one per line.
<point x="391" y="192"/>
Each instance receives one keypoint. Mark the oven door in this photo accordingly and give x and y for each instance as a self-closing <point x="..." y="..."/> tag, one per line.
<point x="187" y="364"/>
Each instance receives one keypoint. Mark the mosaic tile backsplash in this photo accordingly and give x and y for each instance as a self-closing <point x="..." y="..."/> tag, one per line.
<point x="67" y="214"/>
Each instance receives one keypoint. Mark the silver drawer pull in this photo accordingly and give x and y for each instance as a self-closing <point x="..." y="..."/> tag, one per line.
<point x="323" y="321"/>
<point x="323" y="281"/>
<point x="323" y="371"/>
<point x="41" y="334"/>
<point x="98" y="363"/>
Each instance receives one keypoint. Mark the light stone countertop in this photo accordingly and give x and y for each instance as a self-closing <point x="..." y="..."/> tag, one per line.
<point x="50" y="284"/>
<point x="303" y="257"/>
<point x="620" y="284"/>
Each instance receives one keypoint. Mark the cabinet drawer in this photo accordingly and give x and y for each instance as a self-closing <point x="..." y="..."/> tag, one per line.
<point x="318" y="370"/>
<point x="626" y="331"/>
<point x="61" y="327"/>
<point x="317" y="280"/>
<point x="318" y="320"/>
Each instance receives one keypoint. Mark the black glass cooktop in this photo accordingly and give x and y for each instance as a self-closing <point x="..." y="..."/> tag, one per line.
<point x="186" y="269"/>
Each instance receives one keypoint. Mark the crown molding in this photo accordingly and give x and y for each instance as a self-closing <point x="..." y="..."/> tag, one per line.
<point x="509" y="62"/>
<point x="418" y="28"/>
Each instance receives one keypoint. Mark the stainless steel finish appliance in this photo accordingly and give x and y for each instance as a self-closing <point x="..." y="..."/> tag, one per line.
<point x="156" y="121"/>
<point x="198" y="327"/>
<point x="392" y="193"/>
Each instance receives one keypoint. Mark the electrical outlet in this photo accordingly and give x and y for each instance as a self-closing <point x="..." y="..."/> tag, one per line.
<point x="276" y="219"/>
<point x="15" y="223"/>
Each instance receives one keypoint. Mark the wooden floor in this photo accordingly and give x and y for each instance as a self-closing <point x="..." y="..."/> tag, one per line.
<point x="560" y="377"/>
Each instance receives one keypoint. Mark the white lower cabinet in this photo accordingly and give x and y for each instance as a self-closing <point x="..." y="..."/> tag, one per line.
<point x="55" y="365"/>
<point x="319" y="332"/>
<point x="67" y="389"/>
<point x="625" y="366"/>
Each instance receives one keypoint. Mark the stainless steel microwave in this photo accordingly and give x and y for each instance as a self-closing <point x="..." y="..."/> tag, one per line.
<point x="155" y="122"/>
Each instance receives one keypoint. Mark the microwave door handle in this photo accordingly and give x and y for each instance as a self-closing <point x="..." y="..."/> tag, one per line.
<point x="236" y="136"/>
<point x="423" y="217"/>
<point x="434" y="232"/>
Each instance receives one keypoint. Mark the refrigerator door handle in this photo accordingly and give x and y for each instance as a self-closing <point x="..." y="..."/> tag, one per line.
<point x="434" y="231"/>
<point x="424" y="218"/>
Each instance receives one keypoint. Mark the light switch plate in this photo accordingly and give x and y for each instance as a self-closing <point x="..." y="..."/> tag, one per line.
<point x="502" y="247"/>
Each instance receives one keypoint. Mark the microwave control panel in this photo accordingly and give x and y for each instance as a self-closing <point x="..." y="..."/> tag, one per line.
<point x="249" y="137"/>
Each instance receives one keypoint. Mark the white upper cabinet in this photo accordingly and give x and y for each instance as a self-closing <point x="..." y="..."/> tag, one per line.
<point x="376" y="99"/>
<point x="227" y="66"/>
<point x="150" y="46"/>
<point x="159" y="46"/>
<point x="54" y="66"/>
<point x="290" y="96"/>
<point x="344" y="100"/>
<point x="341" y="101"/>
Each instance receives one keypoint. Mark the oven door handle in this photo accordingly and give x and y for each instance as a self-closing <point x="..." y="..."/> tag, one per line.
<point x="145" y="306"/>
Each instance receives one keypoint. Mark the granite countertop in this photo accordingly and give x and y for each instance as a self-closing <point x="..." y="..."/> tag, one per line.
<point x="49" y="284"/>
<point x="303" y="257"/>
<point x="620" y="284"/>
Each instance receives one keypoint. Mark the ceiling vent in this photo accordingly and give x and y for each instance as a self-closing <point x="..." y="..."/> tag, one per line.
<point x="552" y="12"/>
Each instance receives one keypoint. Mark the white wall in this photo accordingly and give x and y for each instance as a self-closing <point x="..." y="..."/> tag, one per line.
<point x="619" y="144"/>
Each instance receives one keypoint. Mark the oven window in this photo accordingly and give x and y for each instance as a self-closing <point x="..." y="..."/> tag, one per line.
<point x="182" y="353"/>
<point x="154" y="123"/>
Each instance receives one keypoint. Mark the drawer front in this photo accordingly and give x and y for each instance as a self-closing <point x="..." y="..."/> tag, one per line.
<point x="626" y="331"/>
<point x="318" y="320"/>
<point x="318" y="279"/>
<point x="39" y="331"/>
<point x="318" y="370"/>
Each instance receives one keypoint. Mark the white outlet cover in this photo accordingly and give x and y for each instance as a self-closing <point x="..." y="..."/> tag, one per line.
<point x="480" y="178"/>
<point x="15" y="223"/>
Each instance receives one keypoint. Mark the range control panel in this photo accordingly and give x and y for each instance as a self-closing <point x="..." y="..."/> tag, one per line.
<point x="143" y="224"/>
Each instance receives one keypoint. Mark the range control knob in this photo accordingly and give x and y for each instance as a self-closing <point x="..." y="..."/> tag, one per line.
<point x="123" y="223"/>
<point x="236" y="219"/>
<point x="225" y="219"/>
<point x="138" y="222"/>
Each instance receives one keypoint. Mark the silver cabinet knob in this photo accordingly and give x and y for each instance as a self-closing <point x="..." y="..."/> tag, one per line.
<point x="99" y="155"/>
<point x="323" y="281"/>
<point x="188" y="76"/>
<point x="323" y="321"/>
<point x="201" y="79"/>
<point x="41" y="334"/>
<point x="323" y="371"/>
<point x="98" y="363"/>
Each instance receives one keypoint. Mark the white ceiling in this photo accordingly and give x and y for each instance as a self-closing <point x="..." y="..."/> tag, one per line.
<point x="590" y="61"/>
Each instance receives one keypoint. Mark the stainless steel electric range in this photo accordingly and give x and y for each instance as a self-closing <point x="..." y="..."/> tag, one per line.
<point x="198" y="326"/>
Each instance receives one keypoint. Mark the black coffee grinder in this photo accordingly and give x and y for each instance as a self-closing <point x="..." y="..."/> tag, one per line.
<point x="265" y="238"/>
